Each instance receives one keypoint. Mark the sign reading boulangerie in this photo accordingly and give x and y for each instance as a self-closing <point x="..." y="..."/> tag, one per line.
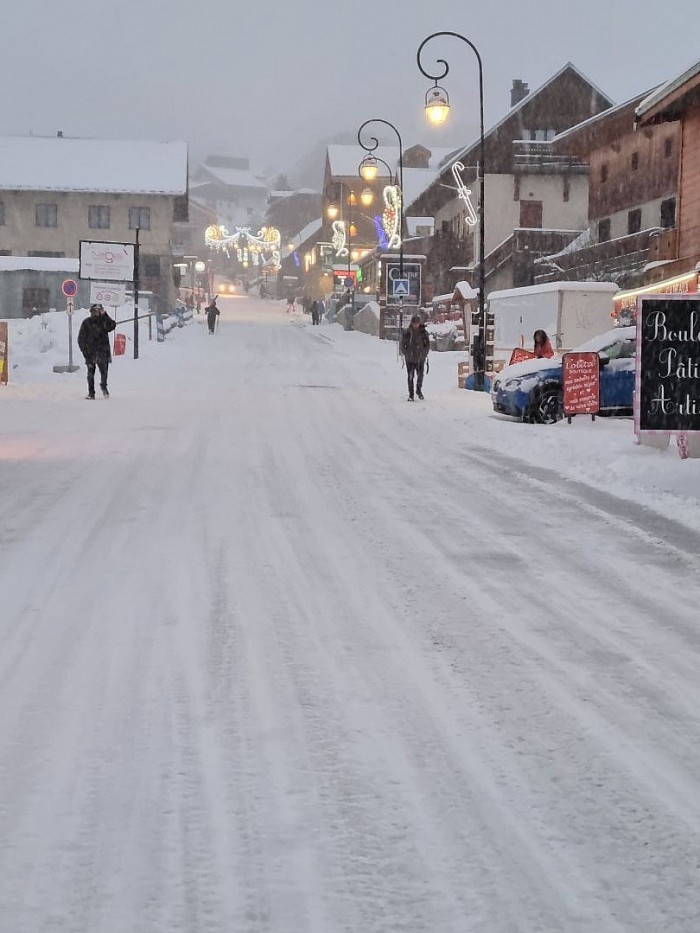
<point x="668" y="364"/>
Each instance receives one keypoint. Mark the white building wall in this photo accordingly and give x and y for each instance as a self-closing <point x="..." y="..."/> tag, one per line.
<point x="651" y="217"/>
<point x="503" y="207"/>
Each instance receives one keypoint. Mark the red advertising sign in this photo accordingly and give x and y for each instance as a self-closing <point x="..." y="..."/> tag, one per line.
<point x="519" y="355"/>
<point x="3" y="353"/>
<point x="580" y="373"/>
<point x="119" y="344"/>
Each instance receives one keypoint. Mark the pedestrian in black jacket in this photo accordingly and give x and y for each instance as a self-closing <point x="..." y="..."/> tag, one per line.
<point x="415" y="344"/>
<point x="93" y="340"/>
<point x="212" y="314"/>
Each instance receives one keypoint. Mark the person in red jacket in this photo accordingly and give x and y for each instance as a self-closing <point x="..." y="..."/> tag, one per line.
<point x="542" y="348"/>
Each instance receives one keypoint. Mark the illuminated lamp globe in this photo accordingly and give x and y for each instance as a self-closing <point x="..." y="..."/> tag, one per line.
<point x="352" y="230"/>
<point x="369" y="168"/>
<point x="437" y="105"/>
<point x="367" y="197"/>
<point x="200" y="266"/>
<point x="332" y="211"/>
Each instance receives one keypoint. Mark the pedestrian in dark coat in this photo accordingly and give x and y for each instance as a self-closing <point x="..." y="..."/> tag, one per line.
<point x="415" y="344"/>
<point x="212" y="313"/>
<point x="93" y="341"/>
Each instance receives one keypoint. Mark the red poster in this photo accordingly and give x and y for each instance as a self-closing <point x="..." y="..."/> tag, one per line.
<point x="119" y="344"/>
<point x="581" y="382"/>
<point x="520" y="354"/>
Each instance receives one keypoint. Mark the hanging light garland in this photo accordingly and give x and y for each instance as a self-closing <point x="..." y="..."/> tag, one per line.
<point x="262" y="249"/>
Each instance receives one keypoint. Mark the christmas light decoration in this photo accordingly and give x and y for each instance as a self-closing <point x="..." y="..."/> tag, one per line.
<point x="381" y="235"/>
<point x="262" y="250"/>
<point x="339" y="238"/>
<point x="391" y="218"/>
<point x="465" y="194"/>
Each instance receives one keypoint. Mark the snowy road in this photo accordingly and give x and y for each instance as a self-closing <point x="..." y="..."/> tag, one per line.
<point x="284" y="654"/>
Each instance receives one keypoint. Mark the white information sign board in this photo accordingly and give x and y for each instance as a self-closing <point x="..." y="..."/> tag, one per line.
<point x="106" y="262"/>
<point x="108" y="293"/>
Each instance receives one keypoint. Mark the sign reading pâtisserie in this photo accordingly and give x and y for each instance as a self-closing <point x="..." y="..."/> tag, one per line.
<point x="668" y="364"/>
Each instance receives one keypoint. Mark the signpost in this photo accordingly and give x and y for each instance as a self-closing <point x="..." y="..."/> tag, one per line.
<point x="106" y="262"/>
<point x="113" y="262"/>
<point x="580" y="374"/>
<point x="108" y="293"/>
<point x="403" y="287"/>
<point x="69" y="288"/>
<point x="667" y="396"/>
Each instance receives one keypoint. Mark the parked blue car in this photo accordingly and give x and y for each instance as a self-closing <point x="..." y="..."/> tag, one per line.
<point x="532" y="390"/>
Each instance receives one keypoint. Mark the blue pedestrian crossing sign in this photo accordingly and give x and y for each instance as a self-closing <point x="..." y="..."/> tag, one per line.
<point x="400" y="288"/>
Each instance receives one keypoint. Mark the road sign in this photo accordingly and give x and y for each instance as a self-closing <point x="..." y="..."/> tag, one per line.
<point x="106" y="262"/>
<point x="400" y="288"/>
<point x="69" y="288"/>
<point x="108" y="293"/>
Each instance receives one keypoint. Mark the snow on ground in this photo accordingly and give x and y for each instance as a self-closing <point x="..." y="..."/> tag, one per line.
<point x="283" y="653"/>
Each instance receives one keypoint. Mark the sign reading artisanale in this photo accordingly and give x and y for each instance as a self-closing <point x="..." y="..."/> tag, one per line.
<point x="668" y="365"/>
<point x="580" y="376"/>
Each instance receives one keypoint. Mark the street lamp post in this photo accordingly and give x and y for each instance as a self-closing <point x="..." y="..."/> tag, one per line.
<point x="370" y="148"/>
<point x="333" y="213"/>
<point x="437" y="106"/>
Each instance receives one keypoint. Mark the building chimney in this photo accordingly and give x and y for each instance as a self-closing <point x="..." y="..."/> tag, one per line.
<point x="60" y="134"/>
<point x="519" y="91"/>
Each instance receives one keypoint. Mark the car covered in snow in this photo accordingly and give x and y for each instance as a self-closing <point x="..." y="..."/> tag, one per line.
<point x="532" y="390"/>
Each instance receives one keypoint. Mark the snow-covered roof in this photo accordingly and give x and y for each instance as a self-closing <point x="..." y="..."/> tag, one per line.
<point x="546" y="287"/>
<point x="595" y="122"/>
<point x="300" y="238"/>
<point x="569" y="66"/>
<point x="415" y="182"/>
<point x="38" y="264"/>
<point x="281" y="195"/>
<point x="38" y="163"/>
<point x="466" y="291"/>
<point x="658" y="95"/>
<point x="412" y="224"/>
<point x="235" y="177"/>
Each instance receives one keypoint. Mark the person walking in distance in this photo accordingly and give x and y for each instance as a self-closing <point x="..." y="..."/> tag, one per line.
<point x="212" y="314"/>
<point x="93" y="341"/>
<point x="415" y="344"/>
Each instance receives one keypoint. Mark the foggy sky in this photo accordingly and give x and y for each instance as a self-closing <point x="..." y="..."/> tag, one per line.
<point x="268" y="78"/>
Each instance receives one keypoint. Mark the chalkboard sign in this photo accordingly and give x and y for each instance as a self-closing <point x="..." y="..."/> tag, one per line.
<point x="580" y="375"/>
<point x="668" y="364"/>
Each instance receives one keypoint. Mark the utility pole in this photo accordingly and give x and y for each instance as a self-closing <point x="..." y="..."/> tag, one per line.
<point x="136" y="295"/>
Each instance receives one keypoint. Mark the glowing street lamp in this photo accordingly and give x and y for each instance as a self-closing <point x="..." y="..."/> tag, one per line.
<point x="367" y="197"/>
<point x="437" y="108"/>
<point x="369" y="168"/>
<point x="332" y="211"/>
<point x="393" y="194"/>
<point x="437" y="105"/>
